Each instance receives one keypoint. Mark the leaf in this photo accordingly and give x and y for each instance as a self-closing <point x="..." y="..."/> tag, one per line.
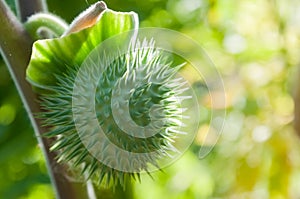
<point x="53" y="56"/>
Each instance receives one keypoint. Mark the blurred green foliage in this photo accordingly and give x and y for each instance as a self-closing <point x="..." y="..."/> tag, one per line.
<point x="22" y="167"/>
<point x="255" y="44"/>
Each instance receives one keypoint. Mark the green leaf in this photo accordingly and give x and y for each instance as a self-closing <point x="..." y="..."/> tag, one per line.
<point x="53" y="56"/>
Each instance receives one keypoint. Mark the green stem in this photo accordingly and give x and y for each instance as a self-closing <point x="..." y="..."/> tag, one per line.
<point x="45" y="21"/>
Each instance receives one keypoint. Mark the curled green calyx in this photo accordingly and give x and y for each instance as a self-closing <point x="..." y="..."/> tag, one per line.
<point x="114" y="102"/>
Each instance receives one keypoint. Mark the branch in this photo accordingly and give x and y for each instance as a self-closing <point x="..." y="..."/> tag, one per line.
<point x="15" y="47"/>
<point x="26" y="8"/>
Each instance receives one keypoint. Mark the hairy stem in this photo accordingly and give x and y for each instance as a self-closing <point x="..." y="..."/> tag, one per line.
<point x="12" y="36"/>
<point x="45" y="21"/>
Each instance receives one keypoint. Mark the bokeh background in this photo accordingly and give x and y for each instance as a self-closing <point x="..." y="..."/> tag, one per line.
<point x="255" y="45"/>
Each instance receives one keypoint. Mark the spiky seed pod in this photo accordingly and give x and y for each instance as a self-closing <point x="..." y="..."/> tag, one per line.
<point x="136" y="99"/>
<point x="114" y="110"/>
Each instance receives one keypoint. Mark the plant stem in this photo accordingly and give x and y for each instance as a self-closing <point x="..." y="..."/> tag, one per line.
<point x="45" y="21"/>
<point x="29" y="7"/>
<point x="12" y="37"/>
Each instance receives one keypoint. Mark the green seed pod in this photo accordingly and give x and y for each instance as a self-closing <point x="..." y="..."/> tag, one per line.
<point x="112" y="101"/>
